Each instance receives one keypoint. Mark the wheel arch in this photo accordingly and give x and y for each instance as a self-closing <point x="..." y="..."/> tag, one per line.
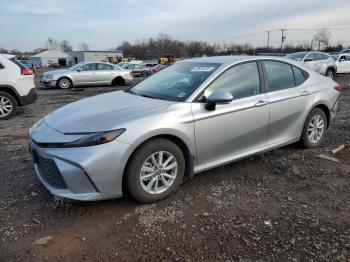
<point x="117" y="79"/>
<point x="69" y="78"/>
<point x="189" y="157"/>
<point x="12" y="91"/>
<point x="325" y="109"/>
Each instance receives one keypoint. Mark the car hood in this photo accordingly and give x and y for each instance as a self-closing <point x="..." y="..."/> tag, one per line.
<point x="56" y="72"/>
<point x="103" y="112"/>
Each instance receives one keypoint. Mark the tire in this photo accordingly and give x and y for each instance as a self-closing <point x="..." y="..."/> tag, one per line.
<point x="153" y="177"/>
<point x="64" y="83"/>
<point x="330" y="73"/>
<point x="118" y="81"/>
<point x="8" y="106"/>
<point x="307" y="140"/>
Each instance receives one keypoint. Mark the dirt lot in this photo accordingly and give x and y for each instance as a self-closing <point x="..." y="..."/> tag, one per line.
<point x="287" y="204"/>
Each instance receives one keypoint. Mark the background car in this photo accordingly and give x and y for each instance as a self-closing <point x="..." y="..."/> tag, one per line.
<point x="342" y="62"/>
<point x="136" y="69"/>
<point x="95" y="73"/>
<point x="345" y="51"/>
<point x="156" y="68"/>
<point x="17" y="86"/>
<point x="319" y="62"/>
<point x="192" y="116"/>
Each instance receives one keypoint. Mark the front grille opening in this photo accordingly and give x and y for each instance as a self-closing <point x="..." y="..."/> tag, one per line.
<point x="49" y="171"/>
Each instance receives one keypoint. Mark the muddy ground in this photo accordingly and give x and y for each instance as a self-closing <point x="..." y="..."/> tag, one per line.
<point x="285" y="205"/>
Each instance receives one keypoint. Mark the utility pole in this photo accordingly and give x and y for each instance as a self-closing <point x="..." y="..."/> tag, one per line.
<point x="283" y="38"/>
<point x="268" y="39"/>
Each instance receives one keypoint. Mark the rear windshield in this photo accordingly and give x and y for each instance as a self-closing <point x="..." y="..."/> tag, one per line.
<point x="20" y="65"/>
<point x="297" y="56"/>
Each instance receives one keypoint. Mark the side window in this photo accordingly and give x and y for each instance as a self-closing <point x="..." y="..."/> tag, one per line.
<point x="88" y="67"/>
<point x="241" y="81"/>
<point x="347" y="58"/>
<point x="325" y="56"/>
<point x="104" y="67"/>
<point x="299" y="75"/>
<point x="310" y="57"/>
<point x="318" y="56"/>
<point x="280" y="75"/>
<point x="1" y="66"/>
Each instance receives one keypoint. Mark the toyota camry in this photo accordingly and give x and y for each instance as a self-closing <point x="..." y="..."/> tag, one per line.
<point x="192" y="116"/>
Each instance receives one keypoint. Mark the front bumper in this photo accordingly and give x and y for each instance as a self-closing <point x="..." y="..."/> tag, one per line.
<point x="30" y="98"/>
<point x="84" y="173"/>
<point x="48" y="82"/>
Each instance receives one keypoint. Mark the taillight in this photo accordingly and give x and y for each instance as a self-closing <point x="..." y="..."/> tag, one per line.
<point x="338" y="87"/>
<point x="26" y="72"/>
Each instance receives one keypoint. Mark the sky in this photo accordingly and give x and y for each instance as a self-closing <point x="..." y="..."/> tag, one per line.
<point x="104" y="24"/>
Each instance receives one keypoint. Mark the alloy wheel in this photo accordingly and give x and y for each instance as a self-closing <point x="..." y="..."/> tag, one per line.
<point x="316" y="128"/>
<point x="6" y="106"/>
<point x="64" y="83"/>
<point x="158" y="172"/>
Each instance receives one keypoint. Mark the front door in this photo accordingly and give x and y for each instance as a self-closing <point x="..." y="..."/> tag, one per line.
<point x="86" y="74"/>
<point x="236" y="127"/>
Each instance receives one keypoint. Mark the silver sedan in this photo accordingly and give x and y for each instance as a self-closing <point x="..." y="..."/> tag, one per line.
<point x="87" y="74"/>
<point x="192" y="116"/>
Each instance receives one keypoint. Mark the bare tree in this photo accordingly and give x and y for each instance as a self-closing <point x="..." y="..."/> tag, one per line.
<point x="65" y="46"/>
<point x="51" y="44"/>
<point x="322" y="36"/>
<point x="83" y="47"/>
<point x="3" y="50"/>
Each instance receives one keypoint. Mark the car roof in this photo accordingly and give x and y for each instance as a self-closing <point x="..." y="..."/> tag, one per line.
<point x="233" y="59"/>
<point x="8" y="56"/>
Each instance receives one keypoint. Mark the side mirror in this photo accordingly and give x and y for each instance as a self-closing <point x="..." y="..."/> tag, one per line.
<point x="341" y="60"/>
<point x="78" y="70"/>
<point x="218" y="97"/>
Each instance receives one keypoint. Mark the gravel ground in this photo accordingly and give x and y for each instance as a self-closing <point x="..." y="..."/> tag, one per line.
<point x="284" y="205"/>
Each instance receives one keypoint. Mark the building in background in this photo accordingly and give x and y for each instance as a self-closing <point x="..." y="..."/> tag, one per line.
<point x="52" y="57"/>
<point x="112" y="56"/>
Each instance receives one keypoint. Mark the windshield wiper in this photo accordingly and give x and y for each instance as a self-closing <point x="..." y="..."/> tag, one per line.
<point x="131" y="92"/>
<point x="148" y="96"/>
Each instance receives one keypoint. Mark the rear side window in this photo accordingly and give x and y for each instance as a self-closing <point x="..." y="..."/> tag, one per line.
<point x="280" y="75"/>
<point x="104" y="67"/>
<point x="299" y="75"/>
<point x="320" y="56"/>
<point x="310" y="57"/>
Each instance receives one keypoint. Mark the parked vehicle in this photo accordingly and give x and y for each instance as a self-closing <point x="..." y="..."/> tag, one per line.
<point x="95" y="73"/>
<point x="318" y="61"/>
<point x="342" y="62"/>
<point x="27" y="63"/>
<point x="17" y="86"/>
<point x="345" y="51"/>
<point x="192" y="116"/>
<point x="136" y="69"/>
<point x="156" y="69"/>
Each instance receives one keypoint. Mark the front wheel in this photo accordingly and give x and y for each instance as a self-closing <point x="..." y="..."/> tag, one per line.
<point x="64" y="83"/>
<point x="8" y="106"/>
<point x="314" y="128"/>
<point x="155" y="171"/>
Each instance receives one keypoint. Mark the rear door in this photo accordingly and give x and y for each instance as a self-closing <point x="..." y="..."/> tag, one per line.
<point x="105" y="73"/>
<point x="290" y="97"/>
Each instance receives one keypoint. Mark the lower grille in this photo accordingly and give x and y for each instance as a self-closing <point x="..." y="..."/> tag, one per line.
<point x="49" y="171"/>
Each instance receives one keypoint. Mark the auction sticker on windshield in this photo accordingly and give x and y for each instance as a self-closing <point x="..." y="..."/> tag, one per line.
<point x="202" y="69"/>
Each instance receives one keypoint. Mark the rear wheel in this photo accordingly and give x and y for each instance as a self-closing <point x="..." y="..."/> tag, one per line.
<point x="119" y="81"/>
<point x="8" y="106"/>
<point x="64" y="83"/>
<point x="330" y="73"/>
<point x="155" y="171"/>
<point x="314" y="128"/>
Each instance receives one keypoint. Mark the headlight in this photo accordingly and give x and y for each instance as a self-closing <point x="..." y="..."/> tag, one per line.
<point x="95" y="139"/>
<point x="49" y="76"/>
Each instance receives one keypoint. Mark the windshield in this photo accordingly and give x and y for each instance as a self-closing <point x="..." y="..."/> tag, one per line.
<point x="176" y="82"/>
<point x="75" y="67"/>
<point x="297" y="56"/>
<point x="335" y="57"/>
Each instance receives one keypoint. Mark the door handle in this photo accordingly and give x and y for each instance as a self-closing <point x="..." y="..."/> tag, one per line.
<point x="305" y="93"/>
<point x="261" y="103"/>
